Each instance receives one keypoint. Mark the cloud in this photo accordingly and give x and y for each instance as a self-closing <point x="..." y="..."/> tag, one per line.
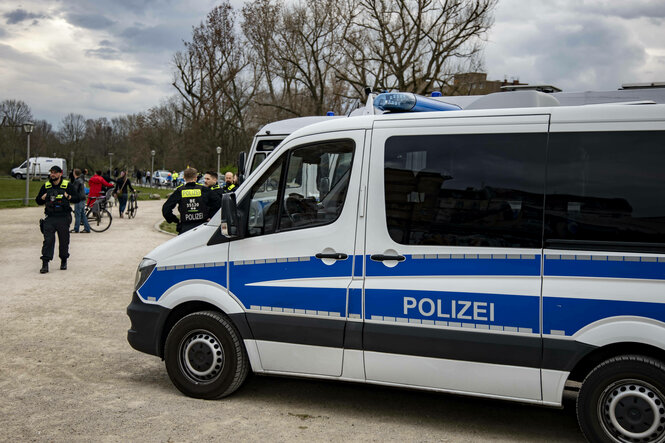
<point x="20" y="15"/>
<point x="113" y="87"/>
<point x="141" y="80"/>
<point x="633" y="9"/>
<point x="162" y="37"/>
<point x="89" y="21"/>
<point x="104" y="53"/>
<point x="572" y="46"/>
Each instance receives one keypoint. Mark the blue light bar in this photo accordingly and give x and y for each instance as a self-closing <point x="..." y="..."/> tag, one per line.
<point x="408" y="102"/>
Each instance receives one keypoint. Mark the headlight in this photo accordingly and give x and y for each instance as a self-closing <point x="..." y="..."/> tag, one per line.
<point x="143" y="272"/>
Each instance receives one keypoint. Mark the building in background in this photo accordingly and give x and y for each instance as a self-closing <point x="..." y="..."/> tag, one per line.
<point x="476" y="83"/>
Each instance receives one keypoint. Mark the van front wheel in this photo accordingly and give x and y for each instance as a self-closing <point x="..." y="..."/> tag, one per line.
<point x="204" y="356"/>
<point x="623" y="400"/>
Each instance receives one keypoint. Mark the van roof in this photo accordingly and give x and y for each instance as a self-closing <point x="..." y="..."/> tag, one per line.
<point x="286" y="127"/>
<point x="590" y="113"/>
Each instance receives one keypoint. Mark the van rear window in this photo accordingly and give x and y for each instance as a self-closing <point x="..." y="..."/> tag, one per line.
<point x="606" y="190"/>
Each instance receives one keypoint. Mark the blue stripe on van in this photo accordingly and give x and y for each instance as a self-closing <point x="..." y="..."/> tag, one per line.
<point x="513" y="313"/>
<point x="358" y="266"/>
<point x="569" y="315"/>
<point x="318" y="300"/>
<point x="450" y="264"/>
<point x="605" y="266"/>
<point x="162" y="279"/>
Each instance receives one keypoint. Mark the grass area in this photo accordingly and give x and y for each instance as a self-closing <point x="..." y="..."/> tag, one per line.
<point x="144" y="192"/>
<point x="11" y="188"/>
<point x="168" y="227"/>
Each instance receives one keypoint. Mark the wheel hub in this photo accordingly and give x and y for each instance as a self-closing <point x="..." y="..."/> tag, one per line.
<point x="634" y="411"/>
<point x="201" y="356"/>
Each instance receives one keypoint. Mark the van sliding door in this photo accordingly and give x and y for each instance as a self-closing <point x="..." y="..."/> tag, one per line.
<point x="453" y="255"/>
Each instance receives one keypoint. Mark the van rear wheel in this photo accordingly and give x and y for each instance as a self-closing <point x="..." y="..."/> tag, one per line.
<point x="205" y="357"/>
<point x="623" y="400"/>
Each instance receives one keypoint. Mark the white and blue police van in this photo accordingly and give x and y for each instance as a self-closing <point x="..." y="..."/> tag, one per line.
<point x="502" y="253"/>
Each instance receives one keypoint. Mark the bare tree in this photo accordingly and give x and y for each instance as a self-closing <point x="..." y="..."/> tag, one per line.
<point x="215" y="80"/>
<point x="13" y="113"/>
<point x="413" y="45"/>
<point x="296" y="48"/>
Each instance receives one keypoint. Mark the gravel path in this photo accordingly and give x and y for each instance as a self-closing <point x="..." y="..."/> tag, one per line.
<point x="67" y="372"/>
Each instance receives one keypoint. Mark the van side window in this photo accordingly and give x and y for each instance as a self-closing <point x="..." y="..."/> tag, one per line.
<point x="262" y="211"/>
<point x="316" y="184"/>
<point x="310" y="182"/>
<point x="465" y="190"/>
<point x="606" y="189"/>
<point x="258" y="159"/>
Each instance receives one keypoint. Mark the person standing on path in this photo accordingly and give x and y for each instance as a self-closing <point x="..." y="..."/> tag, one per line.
<point x="210" y="180"/>
<point x="79" y="207"/>
<point x="121" y="185"/>
<point x="56" y="195"/>
<point x="96" y="183"/>
<point x="194" y="202"/>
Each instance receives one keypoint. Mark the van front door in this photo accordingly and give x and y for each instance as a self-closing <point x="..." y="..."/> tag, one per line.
<point x="294" y="266"/>
<point x="453" y="255"/>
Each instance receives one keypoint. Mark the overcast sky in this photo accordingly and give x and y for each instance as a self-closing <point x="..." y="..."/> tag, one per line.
<point x="104" y="58"/>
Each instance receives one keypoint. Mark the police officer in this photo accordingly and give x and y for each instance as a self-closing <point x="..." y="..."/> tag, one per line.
<point x="210" y="180"/>
<point x="56" y="194"/>
<point x="195" y="203"/>
<point x="229" y="185"/>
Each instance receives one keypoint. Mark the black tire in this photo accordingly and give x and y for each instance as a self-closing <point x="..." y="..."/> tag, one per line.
<point x="623" y="400"/>
<point x="19" y="176"/>
<point x="99" y="222"/>
<point x="205" y="357"/>
<point x="133" y="207"/>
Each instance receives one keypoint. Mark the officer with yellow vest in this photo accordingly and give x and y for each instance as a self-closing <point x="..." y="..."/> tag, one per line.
<point x="229" y="185"/>
<point x="56" y="195"/>
<point x="195" y="203"/>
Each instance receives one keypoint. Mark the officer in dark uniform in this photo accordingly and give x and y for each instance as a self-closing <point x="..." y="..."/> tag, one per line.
<point x="229" y="185"/>
<point x="195" y="203"/>
<point x="210" y="180"/>
<point x="56" y="194"/>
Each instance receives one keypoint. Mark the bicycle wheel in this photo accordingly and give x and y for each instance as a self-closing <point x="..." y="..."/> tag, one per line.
<point x="133" y="207"/>
<point x="100" y="221"/>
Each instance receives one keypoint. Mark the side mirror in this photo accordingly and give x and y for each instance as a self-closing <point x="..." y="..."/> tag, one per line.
<point x="229" y="225"/>
<point x="242" y="160"/>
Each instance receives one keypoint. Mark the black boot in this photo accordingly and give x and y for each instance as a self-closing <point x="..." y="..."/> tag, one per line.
<point x="63" y="264"/>
<point x="44" y="268"/>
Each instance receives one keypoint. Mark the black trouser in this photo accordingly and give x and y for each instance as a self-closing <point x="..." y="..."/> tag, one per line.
<point x="59" y="224"/>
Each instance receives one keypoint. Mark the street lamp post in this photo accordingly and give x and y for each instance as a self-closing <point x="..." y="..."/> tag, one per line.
<point x="110" y="163"/>
<point x="152" y="168"/>
<point x="71" y="165"/>
<point x="27" y="127"/>
<point x="219" y="151"/>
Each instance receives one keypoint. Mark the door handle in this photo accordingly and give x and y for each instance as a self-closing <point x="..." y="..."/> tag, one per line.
<point x="335" y="256"/>
<point x="382" y="257"/>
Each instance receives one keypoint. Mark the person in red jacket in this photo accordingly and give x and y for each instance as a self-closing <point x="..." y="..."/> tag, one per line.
<point x="96" y="183"/>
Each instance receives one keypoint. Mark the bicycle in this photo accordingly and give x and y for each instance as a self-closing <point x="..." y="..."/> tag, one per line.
<point x="132" y="205"/>
<point x="99" y="217"/>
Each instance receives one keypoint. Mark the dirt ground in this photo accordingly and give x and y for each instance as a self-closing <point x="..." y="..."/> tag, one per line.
<point x="67" y="372"/>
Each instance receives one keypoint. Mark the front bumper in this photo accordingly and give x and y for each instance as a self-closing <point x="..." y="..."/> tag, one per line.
<point x="147" y="324"/>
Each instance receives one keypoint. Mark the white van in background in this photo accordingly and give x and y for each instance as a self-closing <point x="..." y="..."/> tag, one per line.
<point x="267" y="139"/>
<point x="39" y="167"/>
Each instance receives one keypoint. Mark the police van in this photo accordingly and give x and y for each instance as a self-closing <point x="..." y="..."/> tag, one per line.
<point x="501" y="253"/>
